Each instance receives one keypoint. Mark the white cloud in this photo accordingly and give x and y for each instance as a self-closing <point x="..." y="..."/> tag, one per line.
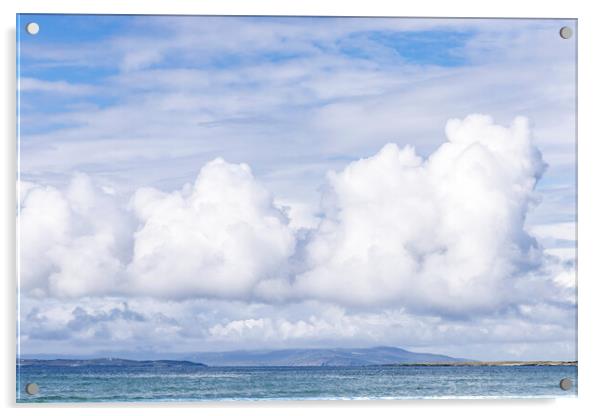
<point x="43" y="223"/>
<point x="59" y="87"/>
<point x="446" y="233"/>
<point x="218" y="237"/>
<point x="140" y="59"/>
<point x="72" y="242"/>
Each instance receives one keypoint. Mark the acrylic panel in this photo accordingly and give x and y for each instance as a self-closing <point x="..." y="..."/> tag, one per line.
<point x="295" y="208"/>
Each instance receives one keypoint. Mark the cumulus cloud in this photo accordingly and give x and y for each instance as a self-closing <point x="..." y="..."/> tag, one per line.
<point x="444" y="233"/>
<point x="218" y="237"/>
<point x="73" y="242"/>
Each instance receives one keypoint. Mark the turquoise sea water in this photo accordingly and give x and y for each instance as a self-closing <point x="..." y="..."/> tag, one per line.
<point x="118" y="384"/>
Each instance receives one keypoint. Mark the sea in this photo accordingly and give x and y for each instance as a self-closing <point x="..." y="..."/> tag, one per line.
<point x="107" y="383"/>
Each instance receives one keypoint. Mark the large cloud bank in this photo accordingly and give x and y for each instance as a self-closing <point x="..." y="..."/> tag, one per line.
<point x="446" y="233"/>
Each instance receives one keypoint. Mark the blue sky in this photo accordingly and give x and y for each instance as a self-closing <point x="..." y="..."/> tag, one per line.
<point x="122" y="105"/>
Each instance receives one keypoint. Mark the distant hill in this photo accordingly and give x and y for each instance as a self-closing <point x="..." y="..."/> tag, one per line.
<point x="106" y="362"/>
<point x="318" y="357"/>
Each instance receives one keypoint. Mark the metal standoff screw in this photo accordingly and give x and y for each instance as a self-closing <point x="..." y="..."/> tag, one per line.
<point x="566" y="32"/>
<point x="31" y="389"/>
<point x="566" y="384"/>
<point x="32" y="28"/>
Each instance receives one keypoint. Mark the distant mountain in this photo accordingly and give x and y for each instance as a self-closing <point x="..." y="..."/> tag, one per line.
<point x="106" y="362"/>
<point x="258" y="358"/>
<point x="319" y="357"/>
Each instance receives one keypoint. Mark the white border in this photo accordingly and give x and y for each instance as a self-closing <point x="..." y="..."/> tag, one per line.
<point x="590" y="177"/>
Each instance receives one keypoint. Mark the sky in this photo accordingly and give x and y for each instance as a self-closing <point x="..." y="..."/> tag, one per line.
<point x="220" y="183"/>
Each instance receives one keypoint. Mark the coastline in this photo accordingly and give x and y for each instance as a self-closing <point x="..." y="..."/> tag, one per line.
<point x="488" y="364"/>
<point x="100" y="362"/>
